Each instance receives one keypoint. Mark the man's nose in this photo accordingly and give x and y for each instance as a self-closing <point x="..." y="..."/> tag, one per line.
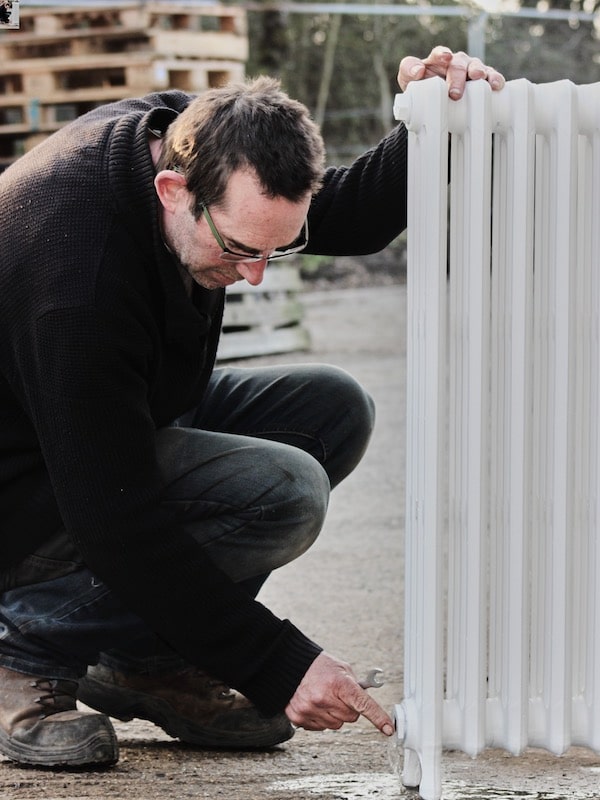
<point x="253" y="271"/>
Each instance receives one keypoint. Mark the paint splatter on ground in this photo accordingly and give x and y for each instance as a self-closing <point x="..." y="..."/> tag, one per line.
<point x="379" y="786"/>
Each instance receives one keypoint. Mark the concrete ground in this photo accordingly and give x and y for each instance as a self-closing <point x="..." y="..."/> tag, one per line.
<point x="347" y="594"/>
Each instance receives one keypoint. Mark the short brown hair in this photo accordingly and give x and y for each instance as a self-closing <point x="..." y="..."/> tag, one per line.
<point x="253" y="124"/>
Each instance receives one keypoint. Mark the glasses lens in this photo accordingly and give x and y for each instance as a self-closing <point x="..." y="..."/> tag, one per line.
<point x="232" y="257"/>
<point x="288" y="251"/>
<point x="227" y="255"/>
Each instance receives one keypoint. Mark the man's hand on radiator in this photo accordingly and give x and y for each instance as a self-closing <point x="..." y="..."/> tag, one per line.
<point x="329" y="695"/>
<point x="455" y="68"/>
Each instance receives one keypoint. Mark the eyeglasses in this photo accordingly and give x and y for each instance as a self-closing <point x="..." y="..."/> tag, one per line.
<point x="231" y="255"/>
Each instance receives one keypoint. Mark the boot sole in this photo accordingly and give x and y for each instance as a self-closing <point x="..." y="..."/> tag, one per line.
<point x="98" y="749"/>
<point x="126" y="704"/>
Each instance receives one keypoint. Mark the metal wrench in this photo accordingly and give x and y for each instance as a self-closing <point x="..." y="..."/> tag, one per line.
<point x="373" y="680"/>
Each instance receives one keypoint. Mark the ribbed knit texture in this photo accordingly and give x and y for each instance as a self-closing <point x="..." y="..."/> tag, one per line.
<point x="100" y="346"/>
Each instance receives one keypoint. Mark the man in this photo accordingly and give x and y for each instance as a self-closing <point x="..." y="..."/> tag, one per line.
<point x="144" y="496"/>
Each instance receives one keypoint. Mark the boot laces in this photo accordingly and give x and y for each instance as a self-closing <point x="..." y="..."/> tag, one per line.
<point x="56" y="696"/>
<point x="220" y="689"/>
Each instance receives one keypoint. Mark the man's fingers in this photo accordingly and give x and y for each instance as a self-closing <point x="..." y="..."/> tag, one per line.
<point x="476" y="69"/>
<point x="345" y="704"/>
<point x="329" y="695"/>
<point x="362" y="702"/>
<point x="493" y="77"/>
<point x="332" y="720"/>
<point x="415" y="69"/>
<point x="455" y="68"/>
<point x="319" y="717"/>
<point x="439" y="58"/>
<point x="463" y="68"/>
<point x="411" y="69"/>
<point x="457" y="74"/>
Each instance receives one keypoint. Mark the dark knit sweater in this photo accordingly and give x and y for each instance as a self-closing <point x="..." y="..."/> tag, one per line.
<point x="100" y="346"/>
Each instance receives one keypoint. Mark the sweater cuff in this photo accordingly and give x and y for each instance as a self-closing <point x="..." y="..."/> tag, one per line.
<point x="283" y="669"/>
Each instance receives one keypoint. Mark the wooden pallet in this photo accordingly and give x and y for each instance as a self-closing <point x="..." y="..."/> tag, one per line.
<point x="264" y="319"/>
<point x="174" y="16"/>
<point x="67" y="60"/>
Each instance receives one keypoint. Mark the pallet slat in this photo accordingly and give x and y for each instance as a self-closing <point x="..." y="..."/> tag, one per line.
<point x="264" y="319"/>
<point x="64" y="61"/>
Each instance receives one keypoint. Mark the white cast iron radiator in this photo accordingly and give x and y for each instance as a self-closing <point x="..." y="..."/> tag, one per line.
<point x="502" y="615"/>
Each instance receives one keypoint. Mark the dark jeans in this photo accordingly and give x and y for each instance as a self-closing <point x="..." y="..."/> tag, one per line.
<point x="250" y="470"/>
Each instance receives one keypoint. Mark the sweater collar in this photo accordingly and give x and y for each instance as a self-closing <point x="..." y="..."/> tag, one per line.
<point x="131" y="173"/>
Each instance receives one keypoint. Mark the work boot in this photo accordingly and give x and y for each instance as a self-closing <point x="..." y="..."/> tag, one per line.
<point x="40" y="724"/>
<point x="188" y="705"/>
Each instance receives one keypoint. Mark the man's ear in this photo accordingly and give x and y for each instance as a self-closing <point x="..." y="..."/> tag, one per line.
<point x="170" y="186"/>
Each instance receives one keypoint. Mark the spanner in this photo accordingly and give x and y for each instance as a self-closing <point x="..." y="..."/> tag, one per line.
<point x="373" y="680"/>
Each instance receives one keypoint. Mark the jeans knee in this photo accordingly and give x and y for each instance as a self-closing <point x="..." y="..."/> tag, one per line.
<point x="315" y="499"/>
<point x="298" y="519"/>
<point x="360" y="405"/>
<point x="349" y="425"/>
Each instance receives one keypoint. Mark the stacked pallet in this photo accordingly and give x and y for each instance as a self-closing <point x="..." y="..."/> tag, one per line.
<point x="66" y="60"/>
<point x="264" y="319"/>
